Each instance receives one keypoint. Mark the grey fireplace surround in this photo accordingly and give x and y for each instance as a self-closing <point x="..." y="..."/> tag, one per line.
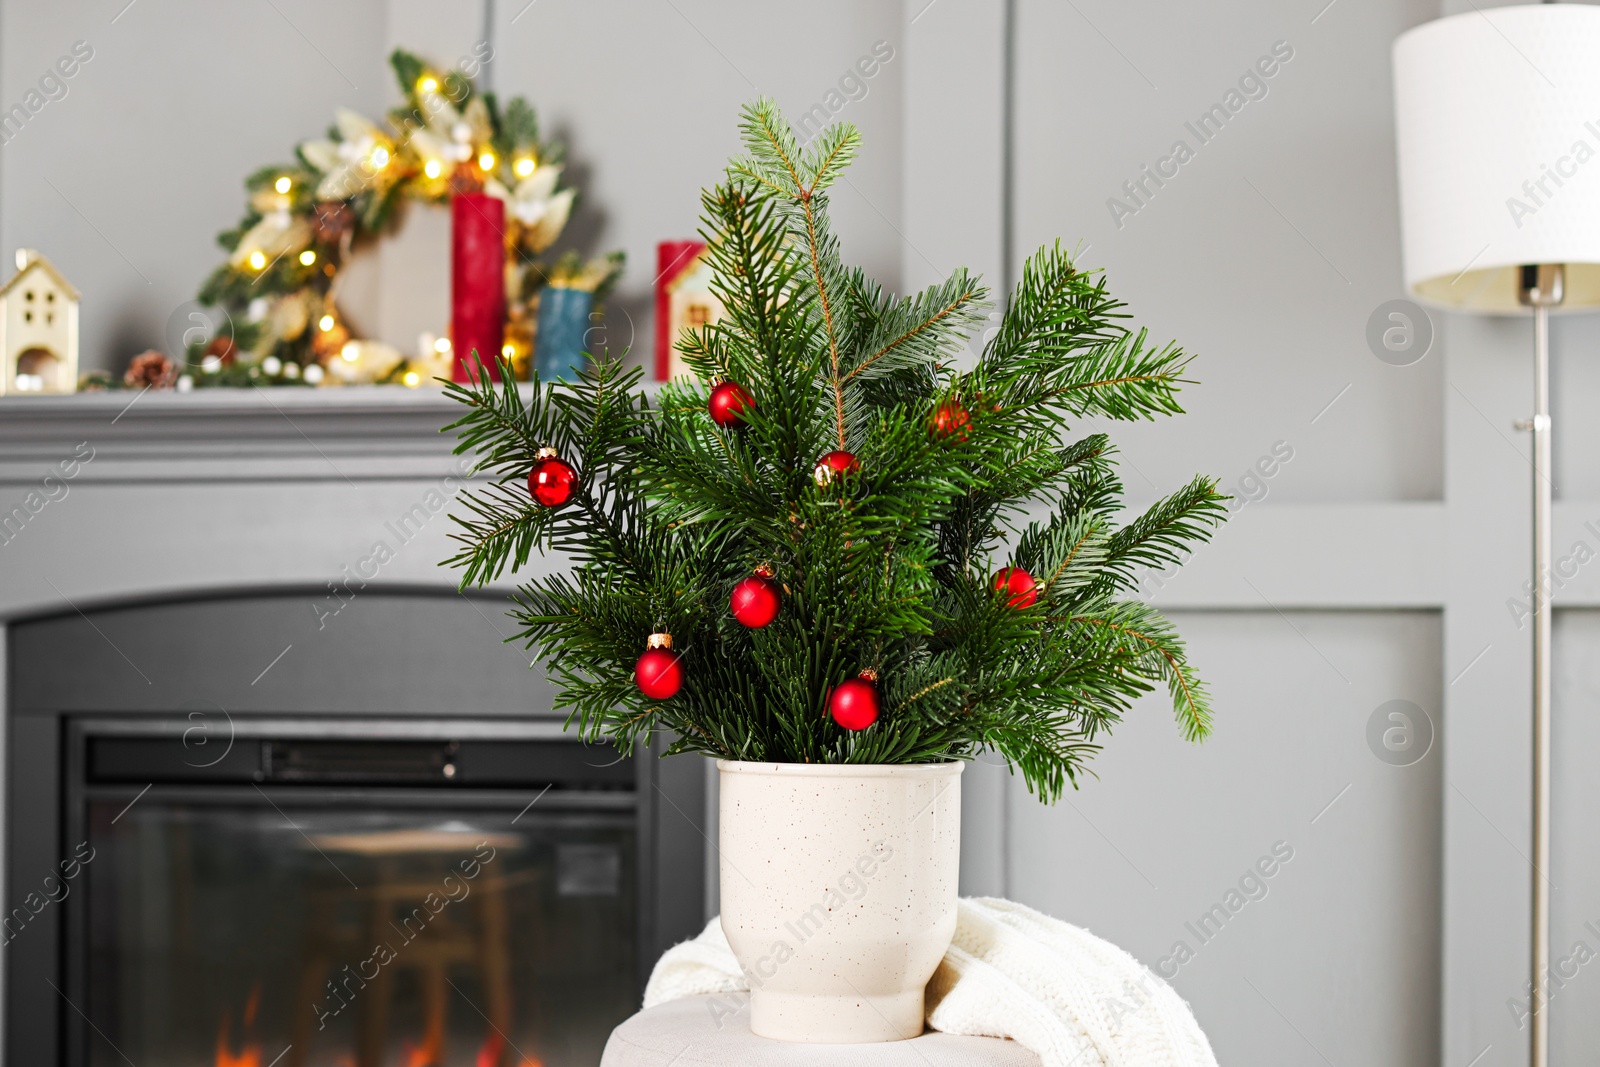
<point x="238" y="558"/>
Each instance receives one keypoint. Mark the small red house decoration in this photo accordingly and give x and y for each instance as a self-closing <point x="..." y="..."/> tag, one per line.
<point x="684" y="300"/>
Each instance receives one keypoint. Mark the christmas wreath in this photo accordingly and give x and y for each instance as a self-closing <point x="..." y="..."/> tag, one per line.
<point x="279" y="285"/>
<point x="819" y="549"/>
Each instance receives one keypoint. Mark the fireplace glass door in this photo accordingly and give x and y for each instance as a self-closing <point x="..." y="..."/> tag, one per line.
<point x="351" y="905"/>
<point x="293" y="934"/>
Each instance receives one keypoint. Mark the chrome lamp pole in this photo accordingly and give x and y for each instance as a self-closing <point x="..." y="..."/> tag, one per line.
<point x="1541" y="288"/>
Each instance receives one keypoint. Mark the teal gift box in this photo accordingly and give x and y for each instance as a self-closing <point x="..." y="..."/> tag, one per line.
<point x="563" y="321"/>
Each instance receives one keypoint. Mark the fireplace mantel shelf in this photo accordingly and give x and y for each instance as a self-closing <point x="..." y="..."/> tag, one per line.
<point x="350" y="433"/>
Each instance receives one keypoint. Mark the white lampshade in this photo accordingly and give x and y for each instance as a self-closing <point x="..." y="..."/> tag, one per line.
<point x="1497" y="119"/>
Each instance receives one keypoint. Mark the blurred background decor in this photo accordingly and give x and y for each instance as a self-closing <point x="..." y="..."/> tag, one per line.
<point x="684" y="301"/>
<point x="569" y="314"/>
<point x="280" y="286"/>
<point x="38" y="329"/>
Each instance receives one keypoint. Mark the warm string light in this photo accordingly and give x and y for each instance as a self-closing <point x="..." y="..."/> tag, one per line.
<point x="373" y="153"/>
<point x="379" y="157"/>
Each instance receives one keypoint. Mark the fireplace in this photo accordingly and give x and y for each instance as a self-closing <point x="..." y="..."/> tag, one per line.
<point x="424" y="870"/>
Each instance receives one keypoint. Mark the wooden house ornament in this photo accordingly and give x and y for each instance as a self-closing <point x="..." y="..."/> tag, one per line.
<point x="38" y="329"/>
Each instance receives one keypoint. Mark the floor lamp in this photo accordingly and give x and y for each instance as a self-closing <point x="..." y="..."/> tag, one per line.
<point x="1500" y="214"/>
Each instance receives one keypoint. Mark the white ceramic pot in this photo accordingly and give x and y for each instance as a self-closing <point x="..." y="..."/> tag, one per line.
<point x="839" y="892"/>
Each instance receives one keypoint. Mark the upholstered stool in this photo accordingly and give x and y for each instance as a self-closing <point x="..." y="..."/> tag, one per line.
<point x="716" y="1030"/>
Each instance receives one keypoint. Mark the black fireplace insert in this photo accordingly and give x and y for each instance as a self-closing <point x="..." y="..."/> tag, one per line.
<point x="253" y="888"/>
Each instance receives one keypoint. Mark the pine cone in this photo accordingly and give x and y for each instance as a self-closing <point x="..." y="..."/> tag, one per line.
<point x="150" y="370"/>
<point x="223" y="348"/>
<point x="327" y="343"/>
<point x="331" y="220"/>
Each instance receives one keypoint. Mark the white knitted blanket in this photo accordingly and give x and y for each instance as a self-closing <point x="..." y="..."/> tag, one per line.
<point x="1058" y="990"/>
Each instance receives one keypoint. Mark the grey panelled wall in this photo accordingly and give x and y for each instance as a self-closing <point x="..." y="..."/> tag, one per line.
<point x="1264" y="251"/>
<point x="125" y="181"/>
<point x="649" y="113"/>
<point x="1575" y="903"/>
<point x="1342" y="938"/>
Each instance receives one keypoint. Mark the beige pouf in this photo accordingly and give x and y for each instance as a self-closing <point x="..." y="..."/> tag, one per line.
<point x="716" y="1030"/>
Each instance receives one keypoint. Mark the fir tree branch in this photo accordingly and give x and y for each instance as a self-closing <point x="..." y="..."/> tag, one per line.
<point x="926" y="690"/>
<point x="808" y="205"/>
<point x="836" y="148"/>
<point x="772" y="143"/>
<point x="1055" y="309"/>
<point x="1123" y="379"/>
<point x="1081" y="535"/>
<point x="1188" y="695"/>
<point x="916" y="325"/>
<point x="887" y="566"/>
<point x="1164" y="534"/>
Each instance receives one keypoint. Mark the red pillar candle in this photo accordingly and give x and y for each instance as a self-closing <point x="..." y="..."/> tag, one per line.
<point x="477" y="282"/>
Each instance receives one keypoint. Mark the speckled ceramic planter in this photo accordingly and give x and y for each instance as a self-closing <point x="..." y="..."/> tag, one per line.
<point x="839" y="893"/>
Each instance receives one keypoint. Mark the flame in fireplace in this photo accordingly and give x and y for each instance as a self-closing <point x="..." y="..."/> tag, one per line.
<point x="249" y="1054"/>
<point x="429" y="1053"/>
<point x="489" y="1051"/>
<point x="250" y="1057"/>
<point x="493" y="1046"/>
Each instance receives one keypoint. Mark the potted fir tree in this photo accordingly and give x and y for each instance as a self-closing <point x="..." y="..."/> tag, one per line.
<point x="815" y="562"/>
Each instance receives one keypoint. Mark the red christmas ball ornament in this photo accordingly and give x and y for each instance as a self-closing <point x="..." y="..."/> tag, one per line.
<point x="551" y="480"/>
<point x="728" y="403"/>
<point x="854" y="703"/>
<point x="952" y="420"/>
<point x="1019" y="583"/>
<point x="756" y="599"/>
<point x="658" y="673"/>
<point x="832" y="463"/>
